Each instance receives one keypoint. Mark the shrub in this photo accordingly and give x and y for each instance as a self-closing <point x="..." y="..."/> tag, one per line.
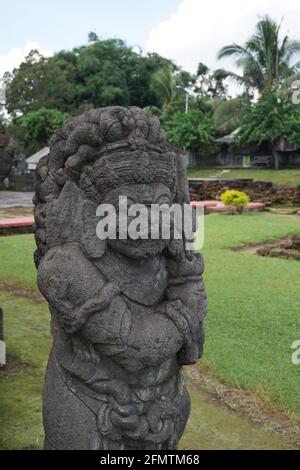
<point x="237" y="199"/>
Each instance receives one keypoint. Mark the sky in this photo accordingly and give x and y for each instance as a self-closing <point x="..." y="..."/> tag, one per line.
<point x="187" y="31"/>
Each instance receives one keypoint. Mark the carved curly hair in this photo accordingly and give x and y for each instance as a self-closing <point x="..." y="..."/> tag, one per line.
<point x="79" y="142"/>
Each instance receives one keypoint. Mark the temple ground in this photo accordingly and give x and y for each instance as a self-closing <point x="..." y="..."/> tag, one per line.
<point x="211" y="425"/>
<point x="253" y="320"/>
<point x="277" y="177"/>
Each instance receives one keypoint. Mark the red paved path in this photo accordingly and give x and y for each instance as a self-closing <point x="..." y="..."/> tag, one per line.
<point x="17" y="222"/>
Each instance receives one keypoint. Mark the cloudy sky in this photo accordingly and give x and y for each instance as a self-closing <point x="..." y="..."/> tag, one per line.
<point x="187" y="31"/>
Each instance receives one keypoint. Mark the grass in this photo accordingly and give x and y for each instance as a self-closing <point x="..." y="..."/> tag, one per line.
<point x="17" y="266"/>
<point x="27" y="335"/>
<point x="254" y="306"/>
<point x="253" y="319"/>
<point x="278" y="177"/>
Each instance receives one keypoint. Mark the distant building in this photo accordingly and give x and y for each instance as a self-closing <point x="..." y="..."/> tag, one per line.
<point x="23" y="177"/>
<point x="34" y="159"/>
<point x="256" y="155"/>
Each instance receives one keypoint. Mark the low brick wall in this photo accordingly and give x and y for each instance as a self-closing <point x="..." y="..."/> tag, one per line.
<point x="259" y="191"/>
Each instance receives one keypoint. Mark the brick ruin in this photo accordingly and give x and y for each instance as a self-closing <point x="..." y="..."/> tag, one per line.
<point x="259" y="191"/>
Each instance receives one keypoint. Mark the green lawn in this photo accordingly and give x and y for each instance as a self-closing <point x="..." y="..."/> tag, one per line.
<point x="17" y="266"/>
<point x="253" y="319"/>
<point x="278" y="177"/>
<point x="27" y="335"/>
<point x="254" y="305"/>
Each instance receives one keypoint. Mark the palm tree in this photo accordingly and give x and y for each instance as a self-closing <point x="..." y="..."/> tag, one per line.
<point x="171" y="87"/>
<point x="164" y="85"/>
<point x="265" y="58"/>
<point x="228" y="113"/>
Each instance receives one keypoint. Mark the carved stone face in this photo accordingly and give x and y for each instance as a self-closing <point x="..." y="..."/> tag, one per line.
<point x="146" y="194"/>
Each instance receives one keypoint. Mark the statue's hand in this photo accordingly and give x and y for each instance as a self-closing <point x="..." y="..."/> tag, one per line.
<point x="129" y="418"/>
<point x="188" y="324"/>
<point x="91" y="306"/>
<point x="123" y="420"/>
<point x="185" y="320"/>
<point x="96" y="304"/>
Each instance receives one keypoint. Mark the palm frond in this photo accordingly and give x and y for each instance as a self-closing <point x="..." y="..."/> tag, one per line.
<point x="230" y="50"/>
<point x="228" y="113"/>
<point x="265" y="57"/>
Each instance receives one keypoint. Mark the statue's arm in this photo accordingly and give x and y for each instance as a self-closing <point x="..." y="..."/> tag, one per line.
<point x="186" y="285"/>
<point x="145" y="340"/>
<point x="87" y="305"/>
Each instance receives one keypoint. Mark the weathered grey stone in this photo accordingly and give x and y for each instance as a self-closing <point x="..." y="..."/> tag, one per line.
<point x="126" y="315"/>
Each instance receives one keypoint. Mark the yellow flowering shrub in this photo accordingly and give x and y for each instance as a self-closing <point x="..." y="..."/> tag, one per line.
<point x="237" y="199"/>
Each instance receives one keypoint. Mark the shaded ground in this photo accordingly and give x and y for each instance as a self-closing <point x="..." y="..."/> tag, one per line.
<point x="213" y="427"/>
<point x="259" y="413"/>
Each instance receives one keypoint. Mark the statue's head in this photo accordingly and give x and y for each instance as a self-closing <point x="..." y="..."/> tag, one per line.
<point x="113" y="152"/>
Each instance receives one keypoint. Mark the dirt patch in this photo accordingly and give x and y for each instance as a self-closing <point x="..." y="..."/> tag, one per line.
<point x="260" y="191"/>
<point x="22" y="292"/>
<point x="285" y="248"/>
<point x="257" y="409"/>
<point x="284" y="210"/>
<point x="253" y="247"/>
<point x="13" y="366"/>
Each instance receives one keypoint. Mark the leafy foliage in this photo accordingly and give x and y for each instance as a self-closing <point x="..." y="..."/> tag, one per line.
<point x="210" y="84"/>
<point x="271" y="119"/>
<point x="103" y="73"/>
<point x="228" y="113"/>
<point x="193" y="130"/>
<point x="265" y="58"/>
<point x="237" y="199"/>
<point x="40" y="82"/>
<point x="37" y="127"/>
<point x="163" y="84"/>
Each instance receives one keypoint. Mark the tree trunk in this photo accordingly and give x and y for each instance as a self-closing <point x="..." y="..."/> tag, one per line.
<point x="276" y="159"/>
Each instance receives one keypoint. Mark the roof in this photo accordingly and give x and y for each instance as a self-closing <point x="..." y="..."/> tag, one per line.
<point x="35" y="158"/>
<point x="228" y="139"/>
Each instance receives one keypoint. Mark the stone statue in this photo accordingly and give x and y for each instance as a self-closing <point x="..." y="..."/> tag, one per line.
<point x="126" y="314"/>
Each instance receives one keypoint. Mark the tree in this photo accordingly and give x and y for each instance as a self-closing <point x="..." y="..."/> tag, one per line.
<point x="171" y="86"/>
<point x="93" y="37"/>
<point x="40" y="82"/>
<point x="194" y="131"/>
<point x="164" y="85"/>
<point x="210" y="84"/>
<point x="102" y="73"/>
<point x="227" y="114"/>
<point x="265" y="58"/>
<point x="36" y="128"/>
<point x="2" y="121"/>
<point x="269" y="120"/>
<point x="139" y="78"/>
